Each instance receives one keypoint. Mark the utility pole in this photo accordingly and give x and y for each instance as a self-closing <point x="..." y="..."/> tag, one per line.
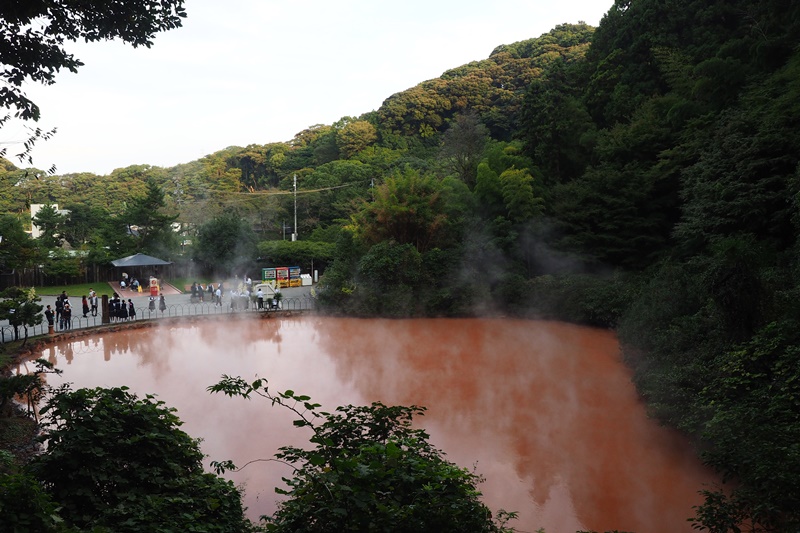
<point x="294" y="235"/>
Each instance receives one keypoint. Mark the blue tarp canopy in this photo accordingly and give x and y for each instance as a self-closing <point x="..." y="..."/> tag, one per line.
<point x="139" y="260"/>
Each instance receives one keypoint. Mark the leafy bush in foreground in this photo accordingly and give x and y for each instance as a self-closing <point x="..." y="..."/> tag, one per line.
<point x="369" y="470"/>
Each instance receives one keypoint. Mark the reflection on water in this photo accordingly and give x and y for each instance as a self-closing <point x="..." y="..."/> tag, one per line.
<point x="545" y="411"/>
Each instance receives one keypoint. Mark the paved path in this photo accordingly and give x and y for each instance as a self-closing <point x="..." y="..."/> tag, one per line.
<point x="178" y="304"/>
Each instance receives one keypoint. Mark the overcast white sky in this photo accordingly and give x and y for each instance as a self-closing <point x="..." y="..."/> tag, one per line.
<point x="258" y="71"/>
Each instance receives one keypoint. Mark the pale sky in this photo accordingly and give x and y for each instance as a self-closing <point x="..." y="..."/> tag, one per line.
<point x="245" y="72"/>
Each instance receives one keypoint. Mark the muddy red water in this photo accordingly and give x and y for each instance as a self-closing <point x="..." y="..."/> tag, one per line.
<point x="545" y="411"/>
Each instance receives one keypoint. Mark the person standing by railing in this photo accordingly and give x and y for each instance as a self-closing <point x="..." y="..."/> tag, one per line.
<point x="50" y="316"/>
<point x="66" y="316"/>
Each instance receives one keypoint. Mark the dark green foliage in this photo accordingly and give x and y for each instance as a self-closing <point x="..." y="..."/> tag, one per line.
<point x="743" y="178"/>
<point x="147" y="215"/>
<point x="17" y="249"/>
<point x="29" y="386"/>
<point x="390" y="263"/>
<point x="608" y="217"/>
<point x="26" y="507"/>
<point x="337" y="286"/>
<point x="669" y="332"/>
<point x="49" y="222"/>
<point x="306" y="254"/>
<point x="368" y="469"/>
<point x="83" y="223"/>
<point x="225" y="243"/>
<point x="517" y="188"/>
<point x="120" y="463"/>
<point x="579" y="298"/>
<point x="753" y="426"/>
<point x="648" y="181"/>
<point x="388" y="282"/>
<point x="489" y="192"/>
<point x="462" y="146"/>
<point x="731" y="276"/>
<point x="446" y="292"/>
<point x="21" y="308"/>
<point x="408" y="208"/>
<point x="556" y="126"/>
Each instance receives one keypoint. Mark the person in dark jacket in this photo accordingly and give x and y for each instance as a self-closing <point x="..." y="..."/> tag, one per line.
<point x="66" y="316"/>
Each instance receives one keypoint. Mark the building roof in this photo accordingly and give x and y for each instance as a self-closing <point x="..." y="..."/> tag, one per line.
<point x="139" y="260"/>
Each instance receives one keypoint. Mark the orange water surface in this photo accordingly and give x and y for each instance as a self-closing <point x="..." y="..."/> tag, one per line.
<point x="545" y="411"/>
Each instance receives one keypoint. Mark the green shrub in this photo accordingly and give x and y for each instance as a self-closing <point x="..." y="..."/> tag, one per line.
<point x="368" y="470"/>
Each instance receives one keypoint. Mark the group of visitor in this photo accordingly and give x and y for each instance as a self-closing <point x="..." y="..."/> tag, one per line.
<point x="129" y="283"/>
<point x="198" y="292"/>
<point x="63" y="314"/>
<point x="119" y="310"/>
<point x="241" y="297"/>
<point x="162" y="303"/>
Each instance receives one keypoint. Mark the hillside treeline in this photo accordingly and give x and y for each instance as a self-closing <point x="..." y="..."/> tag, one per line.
<point x="642" y="175"/>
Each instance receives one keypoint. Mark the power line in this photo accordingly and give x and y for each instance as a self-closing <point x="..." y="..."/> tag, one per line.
<point x="284" y="193"/>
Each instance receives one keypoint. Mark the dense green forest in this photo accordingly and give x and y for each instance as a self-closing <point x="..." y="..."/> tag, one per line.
<point x="642" y="175"/>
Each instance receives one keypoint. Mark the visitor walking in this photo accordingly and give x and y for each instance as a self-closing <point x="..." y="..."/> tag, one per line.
<point x="93" y="301"/>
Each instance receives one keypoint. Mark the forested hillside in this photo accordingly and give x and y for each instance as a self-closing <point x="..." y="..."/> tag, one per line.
<point x="642" y="175"/>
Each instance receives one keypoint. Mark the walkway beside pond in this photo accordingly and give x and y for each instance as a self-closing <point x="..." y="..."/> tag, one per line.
<point x="178" y="304"/>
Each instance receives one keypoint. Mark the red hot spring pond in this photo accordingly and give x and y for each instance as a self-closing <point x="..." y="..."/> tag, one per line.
<point x="544" y="410"/>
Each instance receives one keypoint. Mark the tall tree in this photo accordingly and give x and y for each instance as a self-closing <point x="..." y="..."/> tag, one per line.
<point x="21" y="308"/>
<point x="225" y="243"/>
<point x="17" y="249"/>
<point x="50" y="223"/>
<point x="518" y="195"/>
<point x="145" y="216"/>
<point x="556" y="126"/>
<point x="462" y="146"/>
<point x="354" y="137"/>
<point x="409" y="208"/>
